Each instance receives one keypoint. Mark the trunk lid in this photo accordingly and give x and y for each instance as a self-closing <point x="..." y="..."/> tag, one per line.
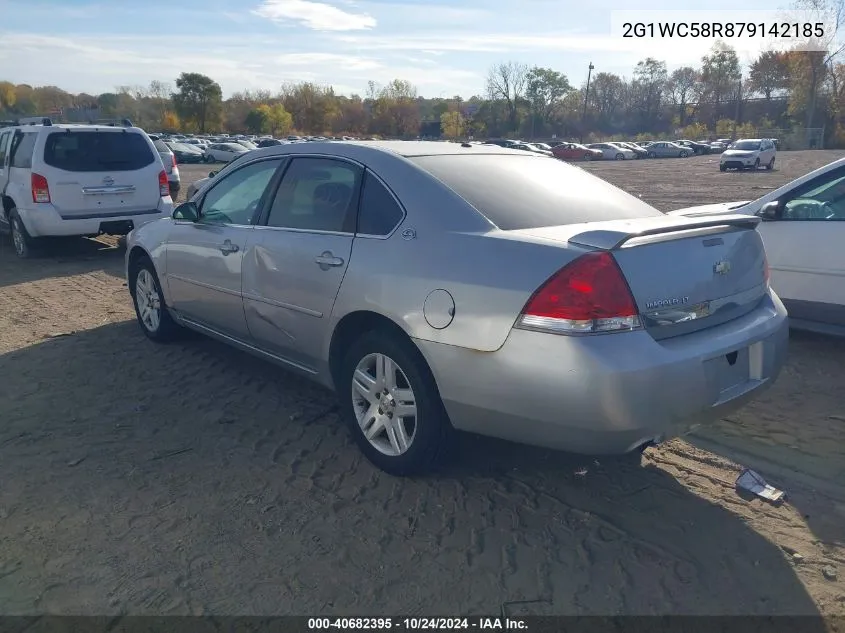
<point x="686" y="274"/>
<point x="101" y="172"/>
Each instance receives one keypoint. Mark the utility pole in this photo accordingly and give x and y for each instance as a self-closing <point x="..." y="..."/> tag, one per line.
<point x="586" y="96"/>
<point x="738" y="101"/>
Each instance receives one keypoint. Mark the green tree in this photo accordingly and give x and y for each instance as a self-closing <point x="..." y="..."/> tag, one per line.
<point x="545" y="89"/>
<point x="279" y="120"/>
<point x="720" y="75"/>
<point x="256" y="119"/>
<point x="199" y="99"/>
<point x="769" y="73"/>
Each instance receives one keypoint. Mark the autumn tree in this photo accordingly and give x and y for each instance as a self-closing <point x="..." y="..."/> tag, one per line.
<point x="647" y="90"/>
<point x="768" y="74"/>
<point x="507" y="81"/>
<point x="452" y="124"/>
<point x="8" y="95"/>
<point x="684" y="89"/>
<point x="394" y="109"/>
<point x="199" y="99"/>
<point x="720" y="75"/>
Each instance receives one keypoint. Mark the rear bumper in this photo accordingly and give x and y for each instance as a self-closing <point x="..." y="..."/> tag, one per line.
<point x="607" y="394"/>
<point x="45" y="220"/>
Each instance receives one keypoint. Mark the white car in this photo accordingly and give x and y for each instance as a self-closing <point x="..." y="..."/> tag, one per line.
<point x="68" y="180"/>
<point x="224" y="152"/>
<point x="749" y="153"/>
<point x="612" y="151"/>
<point x="803" y="230"/>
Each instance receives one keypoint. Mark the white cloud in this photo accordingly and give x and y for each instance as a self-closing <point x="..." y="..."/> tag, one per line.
<point x="315" y="15"/>
<point x="348" y="62"/>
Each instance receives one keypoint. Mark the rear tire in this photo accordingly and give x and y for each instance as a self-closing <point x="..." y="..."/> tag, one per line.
<point x="588" y="157"/>
<point x="150" y="308"/>
<point x="380" y="361"/>
<point x="722" y="168"/>
<point x="684" y="154"/>
<point x="620" y="157"/>
<point x="25" y="245"/>
<point x="652" y="155"/>
<point x="771" y="164"/>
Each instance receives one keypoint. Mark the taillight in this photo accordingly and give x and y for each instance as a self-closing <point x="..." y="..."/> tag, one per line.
<point x="40" y="189"/>
<point x="163" y="185"/>
<point x="588" y="295"/>
<point x="174" y="162"/>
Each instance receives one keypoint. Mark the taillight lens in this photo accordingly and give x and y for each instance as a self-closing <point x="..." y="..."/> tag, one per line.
<point x="163" y="185"/>
<point x="588" y="295"/>
<point x="767" y="275"/>
<point x="40" y="189"/>
<point x="174" y="162"/>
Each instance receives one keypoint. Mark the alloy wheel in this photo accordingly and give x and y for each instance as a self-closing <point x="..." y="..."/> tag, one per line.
<point x="384" y="404"/>
<point x="148" y="300"/>
<point x="18" y="237"/>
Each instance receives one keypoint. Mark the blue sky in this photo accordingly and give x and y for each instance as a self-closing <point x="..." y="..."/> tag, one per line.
<point x="443" y="47"/>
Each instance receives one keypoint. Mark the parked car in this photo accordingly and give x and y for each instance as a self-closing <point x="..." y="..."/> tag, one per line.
<point x="269" y="142"/>
<point x="749" y="153"/>
<point x="638" y="151"/>
<point x="512" y="272"/>
<point x="185" y="153"/>
<point x="501" y="142"/>
<point x="612" y="151"/>
<point x="530" y="147"/>
<point x="717" y="147"/>
<point x="575" y="151"/>
<point x="62" y="180"/>
<point x="695" y="146"/>
<point x="803" y="230"/>
<point x="170" y="162"/>
<point x="667" y="149"/>
<point x="224" y="152"/>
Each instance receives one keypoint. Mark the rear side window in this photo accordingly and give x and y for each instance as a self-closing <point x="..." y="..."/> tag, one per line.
<point x="23" y="145"/>
<point x="522" y="192"/>
<point x="379" y="213"/>
<point x="161" y="146"/>
<point x="97" y="151"/>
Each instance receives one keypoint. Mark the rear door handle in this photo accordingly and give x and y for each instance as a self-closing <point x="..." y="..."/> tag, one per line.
<point x="227" y="247"/>
<point x="328" y="259"/>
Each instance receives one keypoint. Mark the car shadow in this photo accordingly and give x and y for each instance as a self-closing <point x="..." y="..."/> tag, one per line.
<point x="60" y="258"/>
<point x="191" y="478"/>
<point x="794" y="434"/>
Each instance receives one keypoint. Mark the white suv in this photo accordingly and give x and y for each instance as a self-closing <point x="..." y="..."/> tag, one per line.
<point x="749" y="153"/>
<point x="78" y="180"/>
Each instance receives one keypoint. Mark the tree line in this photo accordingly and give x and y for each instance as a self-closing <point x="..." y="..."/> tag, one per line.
<point x="778" y="90"/>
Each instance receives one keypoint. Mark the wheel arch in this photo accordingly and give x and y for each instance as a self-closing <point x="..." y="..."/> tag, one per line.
<point x="136" y="255"/>
<point x="353" y="325"/>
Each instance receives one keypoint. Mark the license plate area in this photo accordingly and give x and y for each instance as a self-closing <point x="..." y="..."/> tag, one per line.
<point x="117" y="227"/>
<point x="731" y="369"/>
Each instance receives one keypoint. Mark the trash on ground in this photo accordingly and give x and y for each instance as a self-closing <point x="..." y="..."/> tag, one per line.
<point x="752" y="482"/>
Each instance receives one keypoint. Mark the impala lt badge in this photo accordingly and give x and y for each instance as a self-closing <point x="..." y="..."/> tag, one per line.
<point x="722" y="268"/>
<point x="666" y="303"/>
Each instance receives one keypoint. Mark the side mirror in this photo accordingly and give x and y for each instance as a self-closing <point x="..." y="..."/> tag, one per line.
<point x="187" y="212"/>
<point x="769" y="211"/>
<point x="212" y="174"/>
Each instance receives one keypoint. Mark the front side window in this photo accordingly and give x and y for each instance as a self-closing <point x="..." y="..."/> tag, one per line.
<point x="4" y="147"/>
<point x="317" y="194"/>
<point x="823" y="199"/>
<point x="237" y="196"/>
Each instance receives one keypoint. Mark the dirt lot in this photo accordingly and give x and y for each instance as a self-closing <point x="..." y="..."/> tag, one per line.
<point x="192" y="479"/>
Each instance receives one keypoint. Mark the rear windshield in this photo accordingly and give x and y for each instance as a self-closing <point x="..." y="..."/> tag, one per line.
<point x="97" y="151"/>
<point x="522" y="192"/>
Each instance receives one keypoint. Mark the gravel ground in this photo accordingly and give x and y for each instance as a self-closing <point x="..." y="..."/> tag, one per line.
<point x="193" y="479"/>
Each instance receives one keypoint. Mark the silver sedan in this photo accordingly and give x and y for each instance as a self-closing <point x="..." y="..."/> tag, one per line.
<point x="440" y="286"/>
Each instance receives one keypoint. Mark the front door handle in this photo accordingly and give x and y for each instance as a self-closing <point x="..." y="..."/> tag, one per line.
<point x="327" y="259"/>
<point x="227" y="247"/>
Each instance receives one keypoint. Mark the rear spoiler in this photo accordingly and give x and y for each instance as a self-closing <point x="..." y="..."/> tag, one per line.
<point x="609" y="239"/>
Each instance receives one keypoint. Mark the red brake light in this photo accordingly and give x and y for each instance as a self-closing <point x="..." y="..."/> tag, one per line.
<point x="587" y="295"/>
<point x="174" y="162"/>
<point x="40" y="189"/>
<point x="163" y="185"/>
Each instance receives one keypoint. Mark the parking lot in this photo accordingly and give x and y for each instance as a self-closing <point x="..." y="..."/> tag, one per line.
<point x="193" y="479"/>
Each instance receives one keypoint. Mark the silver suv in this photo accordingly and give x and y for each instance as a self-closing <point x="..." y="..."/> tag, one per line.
<point x="78" y="180"/>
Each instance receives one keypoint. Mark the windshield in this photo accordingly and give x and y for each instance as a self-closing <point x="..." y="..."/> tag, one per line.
<point x="72" y="150"/>
<point x="521" y="192"/>
<point x="233" y="147"/>
<point x="746" y="145"/>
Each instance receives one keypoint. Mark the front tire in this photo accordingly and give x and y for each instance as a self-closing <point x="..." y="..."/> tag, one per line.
<point x="756" y="165"/>
<point x="588" y="157"/>
<point x="24" y="244"/>
<point x="150" y="308"/>
<point x="684" y="154"/>
<point x="722" y="168"/>
<point x="771" y="164"/>
<point x="652" y="155"/>
<point x="392" y="405"/>
<point x="620" y="157"/>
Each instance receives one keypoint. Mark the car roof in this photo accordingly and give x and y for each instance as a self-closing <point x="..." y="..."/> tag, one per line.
<point x="405" y="149"/>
